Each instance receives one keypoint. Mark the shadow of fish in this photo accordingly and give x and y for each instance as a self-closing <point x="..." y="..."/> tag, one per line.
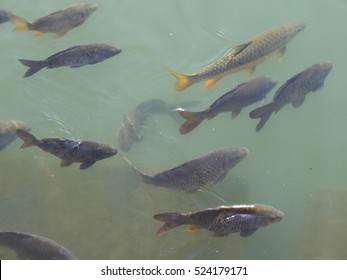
<point x="132" y="124"/>
<point x="73" y="57"/>
<point x="8" y="131"/>
<point x="33" y="247"/>
<point x="70" y="151"/>
<point x="293" y="91"/>
<point x="234" y="101"/>
<point x="245" y="219"/>
<point x="243" y="57"/>
<point x="59" y="22"/>
<point x="4" y="15"/>
<point x="207" y="170"/>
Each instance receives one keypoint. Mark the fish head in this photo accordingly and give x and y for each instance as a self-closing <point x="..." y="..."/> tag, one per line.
<point x="293" y="29"/>
<point x="233" y="156"/>
<point x="266" y="215"/>
<point x="97" y="151"/>
<point x="109" y="51"/>
<point x="89" y="8"/>
<point x="269" y="84"/>
<point x="324" y="68"/>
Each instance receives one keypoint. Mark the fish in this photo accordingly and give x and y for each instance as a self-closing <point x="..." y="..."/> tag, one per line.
<point x="206" y="170"/>
<point x="293" y="91"/>
<point x="8" y="131"/>
<point x="235" y="100"/>
<point x="73" y="57"/>
<point x="34" y="247"/>
<point x="58" y="22"/>
<point x="4" y="15"/>
<point x="223" y="220"/>
<point x="242" y="57"/>
<point x="68" y="150"/>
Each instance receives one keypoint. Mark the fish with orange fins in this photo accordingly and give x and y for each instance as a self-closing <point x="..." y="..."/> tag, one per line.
<point x="235" y="100"/>
<point x="58" y="22"/>
<point x="293" y="91"/>
<point x="245" y="219"/>
<point x="243" y="57"/>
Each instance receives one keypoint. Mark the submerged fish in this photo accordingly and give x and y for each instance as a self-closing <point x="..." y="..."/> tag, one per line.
<point x="8" y="131"/>
<point x="235" y="100"/>
<point x="207" y="170"/>
<point x="243" y="57"/>
<point x="223" y="220"/>
<point x="33" y="247"/>
<point x="293" y="91"/>
<point x="4" y="15"/>
<point x="59" y="22"/>
<point x="70" y="151"/>
<point x="74" y="57"/>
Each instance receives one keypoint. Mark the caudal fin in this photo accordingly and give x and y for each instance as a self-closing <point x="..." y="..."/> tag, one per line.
<point x="183" y="80"/>
<point x="264" y="113"/>
<point x="171" y="220"/>
<point x="34" y="66"/>
<point x="29" y="139"/>
<point x="20" y="23"/>
<point x="193" y="120"/>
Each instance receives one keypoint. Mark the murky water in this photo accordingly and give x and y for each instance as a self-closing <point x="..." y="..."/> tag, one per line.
<point x="297" y="163"/>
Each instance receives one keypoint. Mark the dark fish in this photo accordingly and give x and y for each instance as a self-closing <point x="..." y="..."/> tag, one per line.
<point x="33" y="247"/>
<point x="59" y="22"/>
<point x="223" y="220"/>
<point x="74" y="57"/>
<point x="70" y="151"/>
<point x="8" y="131"/>
<point x="235" y="100"/>
<point x="4" y="15"/>
<point x="207" y="170"/>
<point x="293" y="91"/>
<point x="243" y="57"/>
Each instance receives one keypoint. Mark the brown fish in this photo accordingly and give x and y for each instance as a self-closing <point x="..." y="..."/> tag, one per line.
<point x="293" y="91"/>
<point x="59" y="22"/>
<point x="33" y="247"/>
<point x="8" y="131"/>
<point x="243" y="57"/>
<point x="70" y="151"/>
<point x="73" y="57"/>
<point x="245" y="219"/>
<point x="234" y="101"/>
<point x="207" y="170"/>
<point x="4" y="15"/>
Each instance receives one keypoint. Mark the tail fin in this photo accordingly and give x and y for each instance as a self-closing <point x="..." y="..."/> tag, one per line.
<point x="34" y="66"/>
<point x="144" y="177"/>
<point x="20" y="23"/>
<point x="183" y="80"/>
<point x="264" y="113"/>
<point x="29" y="139"/>
<point x="171" y="220"/>
<point x="193" y="120"/>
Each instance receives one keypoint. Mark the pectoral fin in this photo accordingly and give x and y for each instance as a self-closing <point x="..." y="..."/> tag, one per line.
<point x="247" y="232"/>
<point x="319" y="86"/>
<point x="281" y="53"/>
<point x="234" y="113"/>
<point x="250" y="71"/>
<point x="59" y="35"/>
<point x="297" y="103"/>
<point x="220" y="179"/>
<point x="193" y="228"/>
<point x="65" y="163"/>
<point x="87" y="164"/>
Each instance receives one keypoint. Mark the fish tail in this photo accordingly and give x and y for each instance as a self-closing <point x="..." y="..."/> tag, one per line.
<point x="20" y="23"/>
<point x="193" y="120"/>
<point x="34" y="66"/>
<point x="183" y="80"/>
<point x="264" y="113"/>
<point x="171" y="220"/>
<point x="29" y="139"/>
<point x="144" y="177"/>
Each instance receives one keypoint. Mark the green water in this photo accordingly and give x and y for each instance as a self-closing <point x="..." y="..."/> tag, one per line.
<point x="297" y="163"/>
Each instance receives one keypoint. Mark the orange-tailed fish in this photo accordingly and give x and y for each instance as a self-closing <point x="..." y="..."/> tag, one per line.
<point x="243" y="57"/>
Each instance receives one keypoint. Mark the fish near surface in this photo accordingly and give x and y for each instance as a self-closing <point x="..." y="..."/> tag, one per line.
<point x="234" y="101"/>
<point x="4" y="15"/>
<point x="245" y="219"/>
<point x="8" y="131"/>
<point x="294" y="91"/>
<point x="243" y="57"/>
<point x="207" y="170"/>
<point x="33" y="247"/>
<point x="69" y="151"/>
<point x="59" y="22"/>
<point x="73" y="57"/>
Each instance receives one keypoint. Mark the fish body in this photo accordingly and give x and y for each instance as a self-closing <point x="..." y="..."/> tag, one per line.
<point x="4" y="15"/>
<point x="33" y="247"/>
<point x="69" y="151"/>
<point x="243" y="57"/>
<point x="207" y="170"/>
<point x="8" y="131"/>
<point x="73" y="57"/>
<point x="245" y="219"/>
<point x="234" y="101"/>
<point x="294" y="91"/>
<point x="59" y="22"/>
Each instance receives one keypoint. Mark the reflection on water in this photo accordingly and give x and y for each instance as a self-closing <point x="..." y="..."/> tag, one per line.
<point x="296" y="163"/>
